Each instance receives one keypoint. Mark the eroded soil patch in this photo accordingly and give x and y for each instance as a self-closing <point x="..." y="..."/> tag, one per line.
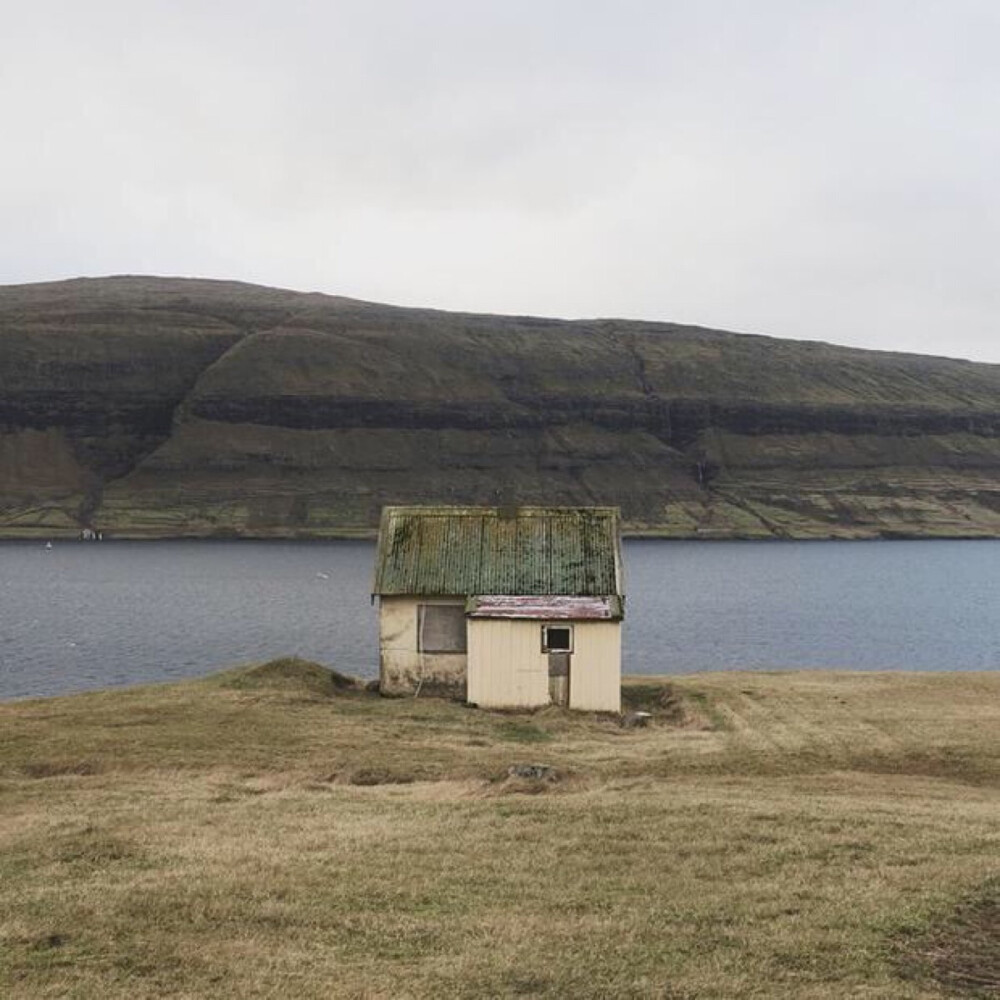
<point x="961" y="952"/>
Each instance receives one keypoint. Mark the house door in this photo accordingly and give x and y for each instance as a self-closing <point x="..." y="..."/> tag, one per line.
<point x="559" y="678"/>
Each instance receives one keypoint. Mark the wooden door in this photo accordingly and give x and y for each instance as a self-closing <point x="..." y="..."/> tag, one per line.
<point x="559" y="678"/>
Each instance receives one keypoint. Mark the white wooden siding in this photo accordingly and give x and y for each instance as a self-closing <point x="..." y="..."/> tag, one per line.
<point x="595" y="672"/>
<point x="507" y="668"/>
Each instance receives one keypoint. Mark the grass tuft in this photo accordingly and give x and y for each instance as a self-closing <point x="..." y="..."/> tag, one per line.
<point x="59" y="768"/>
<point x="522" y="731"/>
<point x="959" y="949"/>
<point x="663" y="701"/>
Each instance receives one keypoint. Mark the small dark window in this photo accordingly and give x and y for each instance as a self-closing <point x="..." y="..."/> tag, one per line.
<point x="557" y="638"/>
<point x="441" y="628"/>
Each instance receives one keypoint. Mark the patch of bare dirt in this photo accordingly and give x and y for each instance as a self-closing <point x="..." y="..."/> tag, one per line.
<point x="961" y="951"/>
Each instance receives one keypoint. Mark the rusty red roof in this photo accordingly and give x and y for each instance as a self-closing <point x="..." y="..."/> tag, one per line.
<point x="550" y="608"/>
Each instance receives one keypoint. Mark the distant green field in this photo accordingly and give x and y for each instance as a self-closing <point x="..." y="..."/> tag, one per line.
<point x="271" y="832"/>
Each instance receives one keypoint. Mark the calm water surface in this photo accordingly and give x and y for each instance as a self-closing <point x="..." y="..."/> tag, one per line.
<point x="80" y="616"/>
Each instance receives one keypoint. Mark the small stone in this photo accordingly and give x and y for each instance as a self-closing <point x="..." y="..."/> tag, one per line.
<point x="533" y="772"/>
<point x="636" y="720"/>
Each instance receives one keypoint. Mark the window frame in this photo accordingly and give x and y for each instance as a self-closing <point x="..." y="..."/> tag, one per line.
<point x="563" y="626"/>
<point x="422" y="608"/>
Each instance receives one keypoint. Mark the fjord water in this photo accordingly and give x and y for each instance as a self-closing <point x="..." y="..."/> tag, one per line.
<point x="82" y="615"/>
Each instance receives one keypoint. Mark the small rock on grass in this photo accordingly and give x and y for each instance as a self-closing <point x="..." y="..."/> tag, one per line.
<point x="636" y="720"/>
<point x="533" y="772"/>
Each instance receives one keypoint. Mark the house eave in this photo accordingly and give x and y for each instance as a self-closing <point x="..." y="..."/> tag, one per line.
<point x="553" y="607"/>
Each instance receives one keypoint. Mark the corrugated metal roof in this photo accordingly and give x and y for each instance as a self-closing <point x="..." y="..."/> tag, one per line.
<point x="467" y="551"/>
<point x="547" y="608"/>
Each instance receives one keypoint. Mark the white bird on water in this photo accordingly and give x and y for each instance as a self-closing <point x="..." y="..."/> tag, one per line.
<point x="48" y="545"/>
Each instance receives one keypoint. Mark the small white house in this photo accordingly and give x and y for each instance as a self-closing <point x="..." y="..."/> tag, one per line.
<point x="505" y="607"/>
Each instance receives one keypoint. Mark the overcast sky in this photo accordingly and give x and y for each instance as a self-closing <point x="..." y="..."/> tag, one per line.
<point x="821" y="169"/>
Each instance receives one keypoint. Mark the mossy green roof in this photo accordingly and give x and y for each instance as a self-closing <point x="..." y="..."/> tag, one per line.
<point x="464" y="551"/>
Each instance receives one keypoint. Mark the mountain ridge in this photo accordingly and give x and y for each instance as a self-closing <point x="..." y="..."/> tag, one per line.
<point x="153" y="407"/>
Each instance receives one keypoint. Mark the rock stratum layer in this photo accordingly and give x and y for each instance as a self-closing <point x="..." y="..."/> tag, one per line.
<point x="172" y="407"/>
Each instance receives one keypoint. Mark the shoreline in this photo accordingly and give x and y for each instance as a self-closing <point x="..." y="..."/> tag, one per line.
<point x="371" y="534"/>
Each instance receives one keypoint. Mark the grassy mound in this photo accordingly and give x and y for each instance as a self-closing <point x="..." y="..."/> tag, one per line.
<point x="292" y="674"/>
<point x="664" y="701"/>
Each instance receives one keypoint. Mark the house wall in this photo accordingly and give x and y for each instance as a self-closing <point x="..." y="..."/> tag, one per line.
<point x="595" y="673"/>
<point x="507" y="668"/>
<point x="401" y="666"/>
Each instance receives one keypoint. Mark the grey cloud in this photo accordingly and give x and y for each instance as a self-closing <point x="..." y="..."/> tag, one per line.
<point x="821" y="170"/>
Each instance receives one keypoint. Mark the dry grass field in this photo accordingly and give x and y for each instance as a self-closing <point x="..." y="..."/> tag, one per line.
<point x="264" y="833"/>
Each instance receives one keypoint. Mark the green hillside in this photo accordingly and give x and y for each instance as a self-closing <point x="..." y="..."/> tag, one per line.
<point x="163" y="406"/>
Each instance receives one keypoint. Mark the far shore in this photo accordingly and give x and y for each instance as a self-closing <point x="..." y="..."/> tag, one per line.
<point x="370" y="534"/>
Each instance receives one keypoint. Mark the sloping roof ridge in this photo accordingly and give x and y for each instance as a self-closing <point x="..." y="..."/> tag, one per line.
<point x="529" y="550"/>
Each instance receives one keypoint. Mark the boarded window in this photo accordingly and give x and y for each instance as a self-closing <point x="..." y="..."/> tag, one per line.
<point x="557" y="638"/>
<point x="441" y="628"/>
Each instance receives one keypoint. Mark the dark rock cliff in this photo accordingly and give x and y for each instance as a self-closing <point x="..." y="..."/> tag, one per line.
<point x="147" y="406"/>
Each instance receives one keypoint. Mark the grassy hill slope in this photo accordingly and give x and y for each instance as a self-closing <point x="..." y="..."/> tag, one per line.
<point x="269" y="832"/>
<point x="152" y="406"/>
